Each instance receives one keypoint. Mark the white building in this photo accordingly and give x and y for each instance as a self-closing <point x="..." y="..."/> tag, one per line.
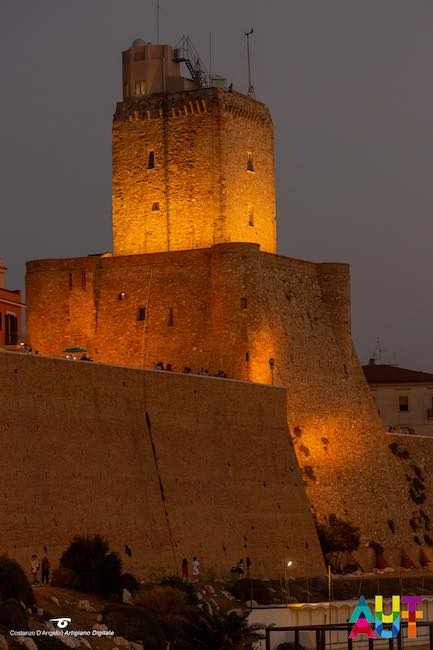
<point x="404" y="398"/>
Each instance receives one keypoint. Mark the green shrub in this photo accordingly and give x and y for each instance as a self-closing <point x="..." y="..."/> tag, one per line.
<point x="246" y="589"/>
<point x="185" y="587"/>
<point x="129" y="582"/>
<point x="135" y="624"/>
<point x="13" y="615"/>
<point x="97" y="570"/>
<point x="13" y="582"/>
<point x="63" y="577"/>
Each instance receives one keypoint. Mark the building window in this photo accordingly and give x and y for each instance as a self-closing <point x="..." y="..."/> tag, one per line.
<point x="141" y="313"/>
<point x="250" y="162"/>
<point x="83" y="279"/>
<point x="155" y="206"/>
<point x="243" y="303"/>
<point x="70" y="280"/>
<point x="151" y="160"/>
<point x="140" y="87"/>
<point x="121" y="296"/>
<point x="251" y="215"/>
<point x="170" y="317"/>
<point x="403" y="402"/>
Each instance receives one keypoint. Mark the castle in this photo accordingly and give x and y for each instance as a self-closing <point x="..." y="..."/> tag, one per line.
<point x="195" y="282"/>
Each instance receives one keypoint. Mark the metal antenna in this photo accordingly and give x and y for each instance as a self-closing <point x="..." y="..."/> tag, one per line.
<point x="157" y="21"/>
<point x="250" y="85"/>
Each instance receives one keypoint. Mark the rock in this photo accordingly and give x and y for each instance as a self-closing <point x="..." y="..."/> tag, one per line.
<point x="27" y="642"/>
<point x="136" y="645"/>
<point x="227" y="594"/>
<point x="127" y="597"/>
<point x="99" y="618"/>
<point x="121" y="642"/>
<point x="3" y="643"/>
<point x="251" y="603"/>
<point x="210" y="589"/>
<point x="85" y="642"/>
<point x="55" y="601"/>
<point x="39" y="611"/>
<point x="85" y="606"/>
<point x="100" y="626"/>
<point x="70" y="641"/>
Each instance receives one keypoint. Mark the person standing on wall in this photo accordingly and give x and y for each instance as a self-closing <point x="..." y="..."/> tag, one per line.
<point x="45" y="570"/>
<point x="34" y="568"/>
<point x="185" y="570"/>
<point x="195" y="570"/>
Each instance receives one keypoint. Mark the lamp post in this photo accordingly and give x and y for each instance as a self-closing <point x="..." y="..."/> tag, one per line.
<point x="287" y="565"/>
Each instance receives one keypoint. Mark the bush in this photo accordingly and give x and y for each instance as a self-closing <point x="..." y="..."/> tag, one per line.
<point x="13" y="582"/>
<point x="135" y="624"/>
<point x="338" y="536"/>
<point x="246" y="589"/>
<point x="177" y="583"/>
<point x="129" y="582"/>
<point x="63" y="577"/>
<point x="97" y="570"/>
<point x="13" y="615"/>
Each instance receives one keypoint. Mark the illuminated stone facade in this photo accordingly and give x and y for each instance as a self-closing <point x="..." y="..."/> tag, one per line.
<point x="196" y="283"/>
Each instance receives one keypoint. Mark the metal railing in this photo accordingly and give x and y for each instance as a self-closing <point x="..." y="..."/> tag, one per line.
<point x="321" y="630"/>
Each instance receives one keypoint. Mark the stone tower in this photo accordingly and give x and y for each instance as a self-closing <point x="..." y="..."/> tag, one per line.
<point x="192" y="166"/>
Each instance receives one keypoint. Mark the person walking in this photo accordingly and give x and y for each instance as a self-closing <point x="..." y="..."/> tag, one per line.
<point x="45" y="570"/>
<point x="34" y="568"/>
<point x="185" y="570"/>
<point x="195" y="570"/>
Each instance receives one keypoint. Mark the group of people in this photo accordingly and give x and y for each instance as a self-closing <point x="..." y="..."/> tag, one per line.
<point x="188" y="371"/>
<point x="239" y="568"/>
<point x="43" y="566"/>
<point x="195" y="573"/>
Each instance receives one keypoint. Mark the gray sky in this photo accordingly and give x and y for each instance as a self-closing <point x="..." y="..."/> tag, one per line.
<point x="350" y="87"/>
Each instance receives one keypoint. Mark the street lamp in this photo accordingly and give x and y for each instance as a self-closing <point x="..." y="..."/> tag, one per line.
<point x="287" y="565"/>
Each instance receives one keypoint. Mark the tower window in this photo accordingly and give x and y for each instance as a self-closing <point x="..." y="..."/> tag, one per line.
<point x="70" y="280"/>
<point x="403" y="402"/>
<point x="151" y="160"/>
<point x="141" y="313"/>
<point x="251" y="215"/>
<point x="170" y="317"/>
<point x="83" y="279"/>
<point x="250" y="162"/>
<point x="155" y="206"/>
<point x="243" y="303"/>
<point x="140" y="87"/>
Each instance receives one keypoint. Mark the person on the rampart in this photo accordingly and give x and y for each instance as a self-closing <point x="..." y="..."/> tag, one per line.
<point x="195" y="570"/>
<point x="45" y="570"/>
<point x="185" y="570"/>
<point x="248" y="567"/>
<point x="34" y="568"/>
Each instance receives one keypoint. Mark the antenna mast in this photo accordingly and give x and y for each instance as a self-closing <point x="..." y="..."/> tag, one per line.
<point x="250" y="85"/>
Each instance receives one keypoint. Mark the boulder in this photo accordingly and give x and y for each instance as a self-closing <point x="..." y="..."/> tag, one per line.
<point x="3" y="643"/>
<point x="85" y="606"/>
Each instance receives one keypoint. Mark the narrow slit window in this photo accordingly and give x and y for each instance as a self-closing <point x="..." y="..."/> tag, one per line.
<point x="170" y="317"/>
<point x="251" y="215"/>
<point x="140" y="87"/>
<point x="244" y="303"/>
<point x="141" y="313"/>
<point x="70" y="280"/>
<point x="151" y="160"/>
<point x="83" y="279"/>
<point x="250" y="162"/>
<point x="155" y="206"/>
<point x="403" y="402"/>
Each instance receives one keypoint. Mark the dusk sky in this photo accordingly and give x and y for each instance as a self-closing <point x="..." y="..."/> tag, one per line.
<point x="350" y="87"/>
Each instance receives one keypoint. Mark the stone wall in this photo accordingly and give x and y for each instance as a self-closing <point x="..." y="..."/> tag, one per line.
<point x="200" y="191"/>
<point x="232" y="307"/>
<point x="170" y="464"/>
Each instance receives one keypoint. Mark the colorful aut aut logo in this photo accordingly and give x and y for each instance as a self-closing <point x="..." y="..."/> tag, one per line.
<point x="363" y="619"/>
